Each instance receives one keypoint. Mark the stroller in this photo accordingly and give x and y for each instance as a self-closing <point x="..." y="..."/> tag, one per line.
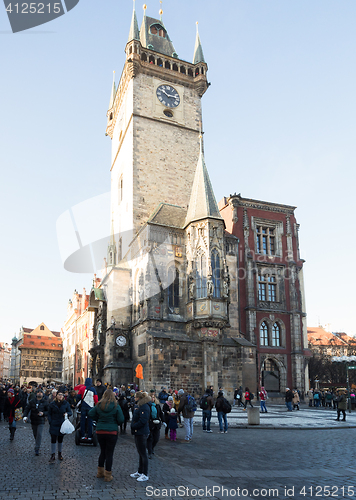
<point x="78" y="436"/>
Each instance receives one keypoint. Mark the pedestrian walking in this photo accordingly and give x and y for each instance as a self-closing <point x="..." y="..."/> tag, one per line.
<point x="126" y="412"/>
<point x="342" y="405"/>
<point x="207" y="404"/>
<point x="263" y="398"/>
<point x="12" y="403"/>
<point x="222" y="407"/>
<point x="57" y="411"/>
<point x="289" y="399"/>
<point x="140" y="429"/>
<point x="39" y="409"/>
<point x="155" y="424"/>
<point x="89" y="398"/>
<point x="167" y="406"/>
<point x="187" y="407"/>
<point x="108" y="416"/>
<point x="248" y="397"/>
<point x="296" y="400"/>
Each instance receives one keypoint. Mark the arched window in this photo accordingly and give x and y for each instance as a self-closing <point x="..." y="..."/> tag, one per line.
<point x="276" y="335"/>
<point x="182" y="70"/>
<point x="159" y="62"/>
<point x="143" y="57"/>
<point x="152" y="60"/>
<point x="167" y="65"/>
<point x="173" y="288"/>
<point x="215" y="266"/>
<point x="264" y="334"/>
<point x="175" y="67"/>
<point x="41" y="327"/>
<point x="190" y="72"/>
<point x="201" y="276"/>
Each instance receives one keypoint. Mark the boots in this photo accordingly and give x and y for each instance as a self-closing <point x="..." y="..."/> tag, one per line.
<point x="52" y="459"/>
<point x="100" y="472"/>
<point x="60" y="456"/>
<point x="107" y="476"/>
<point x="12" y="433"/>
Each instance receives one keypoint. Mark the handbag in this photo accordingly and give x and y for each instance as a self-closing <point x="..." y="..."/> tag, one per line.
<point x="18" y="414"/>
<point x="66" y="427"/>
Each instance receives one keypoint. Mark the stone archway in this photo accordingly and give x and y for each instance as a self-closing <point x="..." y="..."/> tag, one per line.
<point x="273" y="374"/>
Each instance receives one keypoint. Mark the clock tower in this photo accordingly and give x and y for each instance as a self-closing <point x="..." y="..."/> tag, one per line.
<point x="154" y="122"/>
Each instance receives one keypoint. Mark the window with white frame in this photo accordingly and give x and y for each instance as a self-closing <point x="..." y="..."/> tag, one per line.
<point x="267" y="287"/>
<point x="265" y="239"/>
<point x="276" y="335"/>
<point x="264" y="333"/>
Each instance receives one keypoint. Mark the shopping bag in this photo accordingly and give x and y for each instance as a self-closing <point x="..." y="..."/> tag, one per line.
<point x="66" y="427"/>
<point x="18" y="414"/>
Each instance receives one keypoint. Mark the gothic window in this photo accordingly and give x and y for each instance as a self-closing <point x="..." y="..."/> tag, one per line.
<point x="190" y="72"/>
<point x="182" y="70"/>
<point x="152" y="60"/>
<point x="266" y="243"/>
<point x="175" y="67"/>
<point x="215" y="266"/>
<point x="276" y="335"/>
<point x="157" y="29"/>
<point x="143" y="57"/>
<point x="167" y="65"/>
<point x="201" y="276"/>
<point x="159" y="62"/>
<point x="141" y="350"/>
<point x="41" y="327"/>
<point x="264" y="334"/>
<point x="267" y="287"/>
<point x="173" y="288"/>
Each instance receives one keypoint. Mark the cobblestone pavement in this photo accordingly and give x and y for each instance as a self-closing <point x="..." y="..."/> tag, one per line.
<point x="244" y="463"/>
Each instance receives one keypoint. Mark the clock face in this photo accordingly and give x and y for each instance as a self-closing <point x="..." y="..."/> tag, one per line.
<point x="120" y="340"/>
<point x="168" y="96"/>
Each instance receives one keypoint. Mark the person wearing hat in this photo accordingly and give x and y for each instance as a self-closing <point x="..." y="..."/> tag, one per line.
<point x="173" y="424"/>
<point x="163" y="396"/>
<point x="140" y="429"/>
<point x="168" y="405"/>
<point x="39" y="409"/>
<point x="13" y="401"/>
<point x="289" y="399"/>
<point x="187" y="415"/>
<point x="342" y="404"/>
<point x="154" y="423"/>
<point x="100" y="388"/>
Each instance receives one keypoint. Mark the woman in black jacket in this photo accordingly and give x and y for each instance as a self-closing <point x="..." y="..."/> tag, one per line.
<point x="125" y="410"/>
<point x="57" y="410"/>
<point x="140" y="429"/>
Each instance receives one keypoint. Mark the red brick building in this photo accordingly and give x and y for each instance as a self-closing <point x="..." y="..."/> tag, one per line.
<point x="271" y="303"/>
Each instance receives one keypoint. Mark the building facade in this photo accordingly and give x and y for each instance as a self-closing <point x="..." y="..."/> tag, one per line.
<point x="271" y="289"/>
<point x="171" y="298"/>
<point x="75" y="334"/>
<point x="5" y="359"/>
<point x="38" y="356"/>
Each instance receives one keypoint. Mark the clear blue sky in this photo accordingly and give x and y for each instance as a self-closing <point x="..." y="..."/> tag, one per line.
<point x="279" y="122"/>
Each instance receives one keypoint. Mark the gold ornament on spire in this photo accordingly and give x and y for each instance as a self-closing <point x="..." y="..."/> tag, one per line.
<point x="161" y="11"/>
<point x="144" y="6"/>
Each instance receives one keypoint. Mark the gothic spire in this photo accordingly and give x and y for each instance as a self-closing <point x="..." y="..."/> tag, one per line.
<point x="202" y="203"/>
<point x="134" y="31"/>
<point x="198" y="50"/>
<point x="113" y="92"/>
<point x="112" y="251"/>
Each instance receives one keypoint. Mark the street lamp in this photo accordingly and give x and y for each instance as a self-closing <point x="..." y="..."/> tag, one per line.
<point x="347" y="360"/>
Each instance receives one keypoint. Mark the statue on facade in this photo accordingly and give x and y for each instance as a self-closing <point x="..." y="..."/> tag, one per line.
<point x="210" y="287"/>
<point x="191" y="287"/>
<point x="225" y="288"/>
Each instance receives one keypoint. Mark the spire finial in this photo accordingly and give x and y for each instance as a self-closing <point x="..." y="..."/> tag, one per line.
<point x="161" y="11"/>
<point x="144" y="8"/>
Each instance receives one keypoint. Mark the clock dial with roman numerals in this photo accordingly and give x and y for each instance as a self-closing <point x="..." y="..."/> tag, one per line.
<point x="168" y="96"/>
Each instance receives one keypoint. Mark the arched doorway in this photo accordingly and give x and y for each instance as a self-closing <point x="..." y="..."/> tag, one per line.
<point x="271" y="379"/>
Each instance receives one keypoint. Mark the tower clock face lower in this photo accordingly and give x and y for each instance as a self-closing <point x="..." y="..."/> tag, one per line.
<point x="168" y="96"/>
<point x="120" y="341"/>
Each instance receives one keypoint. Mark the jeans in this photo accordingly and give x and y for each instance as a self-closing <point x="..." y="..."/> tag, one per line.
<point x="188" y="424"/>
<point x="317" y="403"/>
<point x="141" y="445"/>
<point x="222" y="416"/>
<point x="83" y="417"/>
<point x="107" y="444"/>
<point x="37" y="434"/>
<point x="206" y="418"/>
<point x="263" y="406"/>
<point x="153" y="439"/>
<point x="289" y="405"/>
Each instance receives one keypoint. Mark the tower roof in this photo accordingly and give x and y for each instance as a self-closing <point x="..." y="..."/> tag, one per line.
<point x="134" y="31"/>
<point x="198" y="50"/>
<point x="202" y="204"/>
<point x="154" y="36"/>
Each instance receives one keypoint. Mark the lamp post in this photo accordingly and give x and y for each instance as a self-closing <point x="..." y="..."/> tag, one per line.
<point x="347" y="360"/>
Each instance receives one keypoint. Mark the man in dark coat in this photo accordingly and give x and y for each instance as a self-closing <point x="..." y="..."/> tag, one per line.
<point x="39" y="410"/>
<point x="140" y="429"/>
<point x="289" y="399"/>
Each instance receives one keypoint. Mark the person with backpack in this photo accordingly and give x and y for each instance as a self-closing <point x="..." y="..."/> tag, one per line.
<point x="89" y="398"/>
<point x="207" y="404"/>
<point x="222" y="407"/>
<point x="248" y="397"/>
<point x="187" y="407"/>
<point x="155" y="424"/>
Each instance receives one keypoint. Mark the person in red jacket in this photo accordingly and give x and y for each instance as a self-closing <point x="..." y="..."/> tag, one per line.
<point x="247" y="397"/>
<point x="12" y="402"/>
<point x="263" y="399"/>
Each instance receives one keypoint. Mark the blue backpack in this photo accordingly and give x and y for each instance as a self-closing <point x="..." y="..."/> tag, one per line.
<point x="191" y="405"/>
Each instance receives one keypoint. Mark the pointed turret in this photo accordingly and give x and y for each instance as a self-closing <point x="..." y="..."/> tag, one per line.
<point x="202" y="204"/>
<point x="112" y="251"/>
<point x="134" y="31"/>
<point x="198" y="50"/>
<point x="113" y="93"/>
